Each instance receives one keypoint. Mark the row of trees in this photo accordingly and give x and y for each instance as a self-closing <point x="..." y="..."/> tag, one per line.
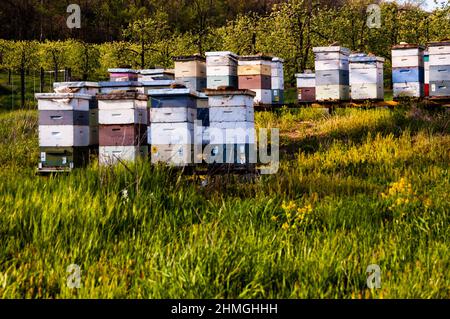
<point x="290" y="31"/>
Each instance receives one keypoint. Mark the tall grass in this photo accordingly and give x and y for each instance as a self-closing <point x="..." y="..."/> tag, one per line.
<point x="371" y="188"/>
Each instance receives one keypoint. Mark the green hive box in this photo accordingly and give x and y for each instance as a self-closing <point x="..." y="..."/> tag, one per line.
<point x="63" y="158"/>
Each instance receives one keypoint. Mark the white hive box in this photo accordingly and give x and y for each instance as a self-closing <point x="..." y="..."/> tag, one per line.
<point x="277" y="67"/>
<point x="364" y="91"/>
<point x="412" y="89"/>
<point x="63" y="101"/>
<point x="123" y="116"/>
<point x="174" y="133"/>
<point x="263" y="96"/>
<point x="109" y="155"/>
<point x="231" y="114"/>
<point x="439" y="59"/>
<point x="325" y="65"/>
<point x="176" y="155"/>
<point x="436" y="48"/>
<point x="221" y="58"/>
<point x="230" y="100"/>
<point x="407" y="61"/>
<point x="172" y="115"/>
<point x="63" y="135"/>
<point x="230" y="133"/>
<point x="306" y="80"/>
<point x="222" y="70"/>
<point x="119" y="104"/>
<point x="332" y="92"/>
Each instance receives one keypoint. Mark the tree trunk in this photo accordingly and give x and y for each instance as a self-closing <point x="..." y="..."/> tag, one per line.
<point x="22" y="87"/>
<point x="41" y="81"/>
<point x="9" y="76"/>
<point x="56" y="72"/>
<point x="142" y="55"/>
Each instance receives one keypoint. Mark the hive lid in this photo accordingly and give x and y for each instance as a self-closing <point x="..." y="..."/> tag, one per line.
<point x="305" y="75"/>
<point x="277" y="59"/>
<point x="222" y="53"/>
<point x="158" y="83"/>
<point x="404" y="46"/>
<point x="155" y="71"/>
<point x="339" y="49"/>
<point x="363" y="58"/>
<point x="120" y="70"/>
<point x="56" y="96"/>
<point x="172" y="92"/>
<point x="256" y="57"/>
<point x="123" y="95"/>
<point x="185" y="58"/>
<point x="82" y="84"/>
<point x="119" y="83"/>
<point x="228" y="91"/>
<point x="439" y="43"/>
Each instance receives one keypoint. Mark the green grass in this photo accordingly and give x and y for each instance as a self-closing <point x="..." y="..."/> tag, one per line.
<point x="234" y="238"/>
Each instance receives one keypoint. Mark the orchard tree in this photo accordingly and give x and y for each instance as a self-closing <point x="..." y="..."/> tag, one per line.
<point x="22" y="57"/>
<point x="147" y="33"/>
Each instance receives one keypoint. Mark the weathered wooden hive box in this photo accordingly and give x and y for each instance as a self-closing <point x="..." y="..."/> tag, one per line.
<point x="277" y="80"/>
<point x="332" y="73"/>
<point x="191" y="71"/>
<point x="155" y="75"/>
<point x="123" y="122"/>
<point x="306" y="87"/>
<point x="172" y="132"/>
<point x="122" y="75"/>
<point x="221" y="69"/>
<point x="255" y="73"/>
<point x="126" y="86"/>
<point x="366" y="77"/>
<point x="64" y="135"/>
<point x="439" y="68"/>
<point x="231" y="132"/>
<point x="408" y="70"/>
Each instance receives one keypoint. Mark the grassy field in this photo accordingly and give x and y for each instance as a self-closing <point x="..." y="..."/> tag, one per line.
<point x="357" y="188"/>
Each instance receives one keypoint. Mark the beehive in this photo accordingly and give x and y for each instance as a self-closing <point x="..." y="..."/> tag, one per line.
<point x="277" y="81"/>
<point x="122" y="75"/>
<point x="366" y="77"/>
<point x="408" y="70"/>
<point x="64" y="135"/>
<point x="231" y="132"/>
<point x="89" y="88"/>
<point x="191" y="71"/>
<point x="221" y="69"/>
<point x="332" y="73"/>
<point x="306" y="87"/>
<point x="172" y="133"/>
<point x="255" y="73"/>
<point x="439" y="68"/>
<point x="123" y="122"/>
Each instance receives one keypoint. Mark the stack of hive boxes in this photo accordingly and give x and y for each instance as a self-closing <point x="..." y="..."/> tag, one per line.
<point x="332" y="73"/>
<point x="366" y="77"/>
<point x="306" y="87"/>
<point x="408" y="70"/>
<point x="255" y="73"/>
<point x="63" y="130"/>
<point x="221" y="69"/>
<point x="231" y="131"/>
<point x="426" y="64"/>
<point x="191" y="71"/>
<point x="89" y="88"/>
<point x="440" y="69"/>
<point x="172" y="133"/>
<point x="277" y="81"/>
<point x="123" y="75"/>
<point x="123" y="122"/>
